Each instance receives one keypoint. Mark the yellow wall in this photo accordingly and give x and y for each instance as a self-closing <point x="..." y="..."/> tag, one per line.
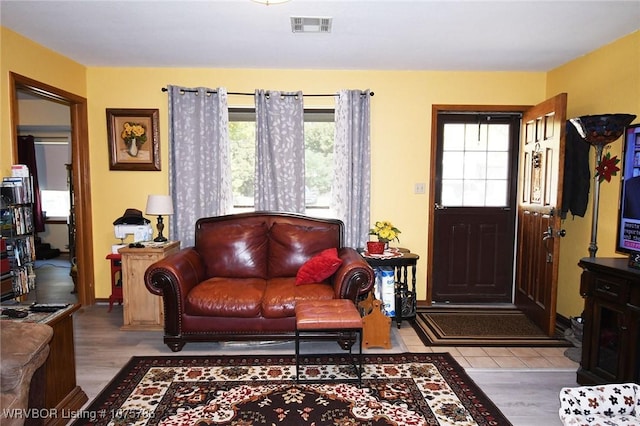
<point x="24" y="57"/>
<point x="604" y="81"/>
<point x="401" y="132"/>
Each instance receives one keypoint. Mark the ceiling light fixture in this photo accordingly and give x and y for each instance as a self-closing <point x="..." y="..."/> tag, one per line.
<point x="269" y="2"/>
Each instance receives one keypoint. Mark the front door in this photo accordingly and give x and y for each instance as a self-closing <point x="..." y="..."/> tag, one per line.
<point x="540" y="179"/>
<point x="474" y="212"/>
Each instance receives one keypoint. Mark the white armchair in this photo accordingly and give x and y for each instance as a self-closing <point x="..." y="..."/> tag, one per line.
<point x="601" y="405"/>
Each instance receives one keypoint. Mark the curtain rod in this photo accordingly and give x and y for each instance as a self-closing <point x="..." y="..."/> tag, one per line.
<point x="164" y="89"/>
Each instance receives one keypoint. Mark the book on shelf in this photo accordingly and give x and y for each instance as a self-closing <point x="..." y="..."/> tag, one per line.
<point x="17" y="254"/>
<point x="24" y="280"/>
<point x="16" y="220"/>
<point x="5" y="265"/>
<point x="19" y="170"/>
<point x="17" y="190"/>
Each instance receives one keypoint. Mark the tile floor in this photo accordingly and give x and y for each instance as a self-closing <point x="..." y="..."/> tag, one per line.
<point x="494" y="357"/>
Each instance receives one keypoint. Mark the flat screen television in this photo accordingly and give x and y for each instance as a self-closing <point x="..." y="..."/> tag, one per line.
<point x="628" y="238"/>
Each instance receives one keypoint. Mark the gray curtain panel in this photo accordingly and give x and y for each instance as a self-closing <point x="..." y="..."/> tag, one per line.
<point x="279" y="182"/>
<point x="199" y="158"/>
<point x="352" y="155"/>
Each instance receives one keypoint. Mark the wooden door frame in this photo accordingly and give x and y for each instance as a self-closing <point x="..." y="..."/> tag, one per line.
<point x="81" y="172"/>
<point x="435" y="110"/>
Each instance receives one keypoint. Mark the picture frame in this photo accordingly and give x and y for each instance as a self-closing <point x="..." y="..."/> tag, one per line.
<point x="133" y="137"/>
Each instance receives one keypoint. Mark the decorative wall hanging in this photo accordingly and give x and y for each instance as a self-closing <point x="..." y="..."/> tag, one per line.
<point x="133" y="139"/>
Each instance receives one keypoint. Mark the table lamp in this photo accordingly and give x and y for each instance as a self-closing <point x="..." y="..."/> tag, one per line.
<point x="159" y="205"/>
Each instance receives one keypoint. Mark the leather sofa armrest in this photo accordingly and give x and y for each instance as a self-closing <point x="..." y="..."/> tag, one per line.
<point x="354" y="277"/>
<point x="173" y="276"/>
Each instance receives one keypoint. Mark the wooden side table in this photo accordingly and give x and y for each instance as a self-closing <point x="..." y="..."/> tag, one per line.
<point x="405" y="290"/>
<point x="141" y="309"/>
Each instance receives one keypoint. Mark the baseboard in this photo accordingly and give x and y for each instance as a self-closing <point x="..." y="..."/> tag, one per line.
<point x="562" y="323"/>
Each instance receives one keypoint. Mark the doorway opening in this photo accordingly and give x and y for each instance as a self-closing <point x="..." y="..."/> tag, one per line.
<point x="45" y="127"/>
<point x="465" y="252"/>
<point x="79" y="171"/>
<point x="44" y="136"/>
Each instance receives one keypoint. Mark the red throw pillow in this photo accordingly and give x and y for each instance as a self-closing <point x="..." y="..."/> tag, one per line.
<point x="319" y="267"/>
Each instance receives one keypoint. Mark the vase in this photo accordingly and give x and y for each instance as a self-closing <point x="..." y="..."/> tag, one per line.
<point x="375" y="247"/>
<point x="133" y="148"/>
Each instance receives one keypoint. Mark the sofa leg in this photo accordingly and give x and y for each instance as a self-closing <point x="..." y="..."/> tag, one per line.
<point x="176" y="346"/>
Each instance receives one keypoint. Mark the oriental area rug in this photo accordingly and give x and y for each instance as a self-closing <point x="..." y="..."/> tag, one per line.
<point x="399" y="389"/>
<point x="481" y="327"/>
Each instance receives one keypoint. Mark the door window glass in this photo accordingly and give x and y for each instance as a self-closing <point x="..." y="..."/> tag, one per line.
<point x="475" y="165"/>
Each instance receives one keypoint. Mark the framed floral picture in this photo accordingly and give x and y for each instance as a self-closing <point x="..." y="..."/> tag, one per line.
<point x="133" y="139"/>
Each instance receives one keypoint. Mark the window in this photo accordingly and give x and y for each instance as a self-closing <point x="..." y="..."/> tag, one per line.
<point x="475" y="165"/>
<point x="52" y="153"/>
<point x="55" y="203"/>
<point x="318" y="134"/>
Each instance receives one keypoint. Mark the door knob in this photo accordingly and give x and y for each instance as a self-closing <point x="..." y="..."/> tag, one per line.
<point x="550" y="233"/>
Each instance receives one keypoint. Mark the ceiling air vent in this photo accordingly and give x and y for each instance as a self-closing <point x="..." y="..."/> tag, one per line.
<point x="304" y="24"/>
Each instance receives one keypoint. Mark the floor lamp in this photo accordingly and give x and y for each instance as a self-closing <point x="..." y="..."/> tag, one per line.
<point x="600" y="131"/>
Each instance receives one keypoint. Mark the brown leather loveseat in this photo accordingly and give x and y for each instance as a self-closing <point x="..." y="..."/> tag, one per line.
<point x="241" y="279"/>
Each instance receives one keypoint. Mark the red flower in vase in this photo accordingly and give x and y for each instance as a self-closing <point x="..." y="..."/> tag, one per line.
<point x="607" y="167"/>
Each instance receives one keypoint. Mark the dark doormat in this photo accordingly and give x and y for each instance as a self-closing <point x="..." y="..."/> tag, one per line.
<point x="481" y="327"/>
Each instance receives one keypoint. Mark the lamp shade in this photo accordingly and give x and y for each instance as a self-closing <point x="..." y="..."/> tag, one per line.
<point x="159" y="205"/>
<point x="602" y="129"/>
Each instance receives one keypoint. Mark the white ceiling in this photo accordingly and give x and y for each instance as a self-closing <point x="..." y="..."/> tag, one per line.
<point x="515" y="35"/>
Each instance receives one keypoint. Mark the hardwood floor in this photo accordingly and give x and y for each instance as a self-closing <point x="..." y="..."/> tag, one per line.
<point x="53" y="282"/>
<point x="523" y="382"/>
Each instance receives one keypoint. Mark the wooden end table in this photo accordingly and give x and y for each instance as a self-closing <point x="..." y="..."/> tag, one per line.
<point x="141" y="309"/>
<point x="405" y="289"/>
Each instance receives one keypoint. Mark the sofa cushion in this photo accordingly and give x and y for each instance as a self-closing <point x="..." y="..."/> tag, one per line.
<point x="281" y="295"/>
<point x="236" y="250"/>
<point x="319" y="267"/>
<point x="290" y="246"/>
<point x="229" y="297"/>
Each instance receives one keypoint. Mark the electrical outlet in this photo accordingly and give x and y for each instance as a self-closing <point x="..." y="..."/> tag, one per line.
<point x="419" y="188"/>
